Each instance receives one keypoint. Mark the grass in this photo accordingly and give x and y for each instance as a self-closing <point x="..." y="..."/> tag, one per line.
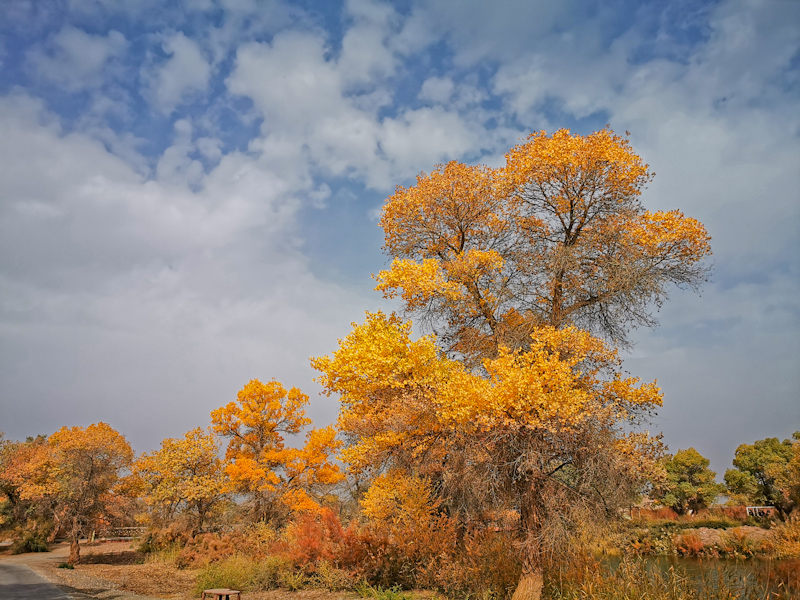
<point x="637" y="579"/>
<point x="365" y="590"/>
<point x="249" y="575"/>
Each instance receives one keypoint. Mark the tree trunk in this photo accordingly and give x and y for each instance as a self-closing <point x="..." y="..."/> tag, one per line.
<point x="529" y="586"/>
<point x="74" y="546"/>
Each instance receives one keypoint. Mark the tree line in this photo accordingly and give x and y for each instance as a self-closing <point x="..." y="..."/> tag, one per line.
<point x="765" y="473"/>
<point x="527" y="280"/>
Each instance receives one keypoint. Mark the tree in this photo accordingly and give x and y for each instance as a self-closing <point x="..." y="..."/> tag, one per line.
<point x="766" y="474"/>
<point x="31" y="516"/>
<point x="557" y="237"/>
<point x="794" y="471"/>
<point x="541" y="432"/>
<point x="689" y="484"/>
<point x="502" y="266"/>
<point x="183" y="476"/>
<point x="76" y="475"/>
<point x="260" y="465"/>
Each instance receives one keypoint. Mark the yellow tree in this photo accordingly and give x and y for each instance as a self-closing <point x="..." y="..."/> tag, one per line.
<point x="185" y="476"/>
<point x="29" y="512"/>
<point x="503" y="265"/>
<point x="541" y="431"/>
<point x="77" y="474"/>
<point x="276" y="477"/>
<point x="557" y="237"/>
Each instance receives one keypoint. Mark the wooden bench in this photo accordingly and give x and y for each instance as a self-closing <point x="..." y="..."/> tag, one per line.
<point x="220" y="593"/>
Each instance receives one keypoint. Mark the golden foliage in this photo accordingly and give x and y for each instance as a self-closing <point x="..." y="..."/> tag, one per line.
<point x="558" y="236"/>
<point x="398" y="498"/>
<point x="184" y="475"/>
<point x="403" y="404"/>
<point x="257" y="460"/>
<point x="74" y="474"/>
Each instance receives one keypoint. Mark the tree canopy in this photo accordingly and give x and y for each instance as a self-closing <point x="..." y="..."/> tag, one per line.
<point x="183" y="476"/>
<point x="766" y="472"/>
<point x="541" y="432"/>
<point x="689" y="483"/>
<point x="556" y="237"/>
<point x="276" y="477"/>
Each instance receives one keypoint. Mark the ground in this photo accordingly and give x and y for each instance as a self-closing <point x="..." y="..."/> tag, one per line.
<point x="109" y="572"/>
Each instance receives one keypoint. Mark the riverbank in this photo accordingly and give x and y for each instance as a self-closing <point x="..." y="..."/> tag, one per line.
<point x="710" y="538"/>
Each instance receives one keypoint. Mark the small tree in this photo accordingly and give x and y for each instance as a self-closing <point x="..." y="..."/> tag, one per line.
<point x="689" y="484"/>
<point x="78" y="474"/>
<point x="276" y="478"/>
<point x="765" y="474"/>
<point x="29" y="514"/>
<point x="185" y="476"/>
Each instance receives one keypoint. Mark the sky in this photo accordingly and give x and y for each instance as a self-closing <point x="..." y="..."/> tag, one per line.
<point x="189" y="191"/>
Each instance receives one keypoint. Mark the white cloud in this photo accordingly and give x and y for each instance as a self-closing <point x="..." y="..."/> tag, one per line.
<point x="437" y="89"/>
<point x="501" y="30"/>
<point x="142" y="302"/>
<point x="302" y="93"/>
<point x="185" y="72"/>
<point x="75" y="59"/>
<point x="365" y="57"/>
<point x="421" y="138"/>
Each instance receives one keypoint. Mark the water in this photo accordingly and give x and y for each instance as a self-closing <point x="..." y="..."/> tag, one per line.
<point x="750" y="578"/>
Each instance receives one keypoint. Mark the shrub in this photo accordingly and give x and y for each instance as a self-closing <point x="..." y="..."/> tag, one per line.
<point x="365" y="590"/>
<point x="292" y="579"/>
<point x="332" y="578"/>
<point x="244" y="574"/>
<point x="486" y="566"/>
<point x="205" y="549"/>
<point x="689" y="544"/>
<point x="786" y="539"/>
<point x="30" y="541"/>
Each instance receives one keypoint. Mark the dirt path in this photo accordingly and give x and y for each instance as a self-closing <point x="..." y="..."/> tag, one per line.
<point x="86" y="581"/>
<point x="110" y="571"/>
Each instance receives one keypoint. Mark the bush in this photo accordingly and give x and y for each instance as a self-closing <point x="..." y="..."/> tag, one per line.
<point x="244" y="574"/>
<point x="786" y="539"/>
<point x="689" y="544"/>
<point x="332" y="578"/>
<point x="205" y="549"/>
<point x="30" y="541"/>
<point x="365" y="590"/>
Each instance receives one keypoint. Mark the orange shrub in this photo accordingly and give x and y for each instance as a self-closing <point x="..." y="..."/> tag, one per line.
<point x="689" y="544"/>
<point x="205" y="549"/>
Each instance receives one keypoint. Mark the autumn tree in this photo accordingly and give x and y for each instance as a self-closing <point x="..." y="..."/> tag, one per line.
<point x="766" y="473"/>
<point x="557" y="237"/>
<point x="515" y="270"/>
<point x="540" y="431"/>
<point x="689" y="483"/>
<point x="184" y="477"/>
<point x="277" y="478"/>
<point x="30" y="516"/>
<point x="75" y="473"/>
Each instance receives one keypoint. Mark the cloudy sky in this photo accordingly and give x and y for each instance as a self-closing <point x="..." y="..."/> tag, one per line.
<point x="189" y="190"/>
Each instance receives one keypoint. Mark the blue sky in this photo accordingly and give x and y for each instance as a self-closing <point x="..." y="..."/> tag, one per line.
<point x="189" y="190"/>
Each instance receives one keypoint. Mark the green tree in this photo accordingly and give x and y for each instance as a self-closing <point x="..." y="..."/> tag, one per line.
<point x="765" y="473"/>
<point x="690" y="484"/>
